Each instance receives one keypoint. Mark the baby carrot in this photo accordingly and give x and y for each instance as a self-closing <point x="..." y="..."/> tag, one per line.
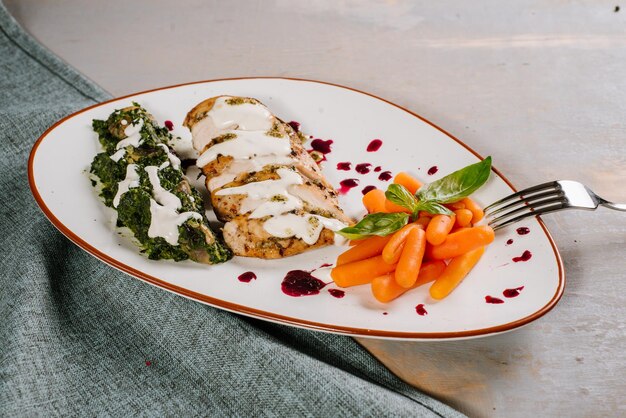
<point x="393" y="248"/>
<point x="456" y="205"/>
<point x="360" y="272"/>
<point x="423" y="221"/>
<point x="411" y="183"/>
<point x="457" y="228"/>
<point x="438" y="229"/>
<point x="374" y="201"/>
<point x="476" y="210"/>
<point x="385" y="288"/>
<point x="411" y="258"/>
<point x="369" y="247"/>
<point x="461" y="242"/>
<point x="463" y="217"/>
<point x="455" y="272"/>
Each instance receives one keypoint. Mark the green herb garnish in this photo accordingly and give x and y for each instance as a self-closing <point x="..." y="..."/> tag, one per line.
<point x="429" y="198"/>
<point x="381" y="224"/>
<point x="457" y="185"/>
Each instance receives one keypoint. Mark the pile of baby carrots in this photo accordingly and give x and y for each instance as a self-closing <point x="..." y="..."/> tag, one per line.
<point x="434" y="248"/>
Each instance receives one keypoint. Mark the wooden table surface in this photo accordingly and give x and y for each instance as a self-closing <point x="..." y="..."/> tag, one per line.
<point x="539" y="85"/>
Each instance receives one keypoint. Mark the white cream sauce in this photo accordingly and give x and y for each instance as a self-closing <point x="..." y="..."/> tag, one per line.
<point x="133" y="136"/>
<point x="131" y="181"/>
<point x="164" y="216"/>
<point x="245" y="116"/>
<point x="268" y="197"/>
<point x="247" y="144"/>
<point x="161" y="195"/>
<point x="306" y="227"/>
<point x="224" y="116"/>
<point x="238" y="167"/>
<point x="118" y="154"/>
<point x="174" y="160"/>
<point x="164" y="222"/>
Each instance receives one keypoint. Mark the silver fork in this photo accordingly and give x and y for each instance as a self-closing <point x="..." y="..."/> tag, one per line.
<point x="542" y="199"/>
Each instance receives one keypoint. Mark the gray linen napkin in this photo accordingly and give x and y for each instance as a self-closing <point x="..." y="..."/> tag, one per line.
<point x="80" y="338"/>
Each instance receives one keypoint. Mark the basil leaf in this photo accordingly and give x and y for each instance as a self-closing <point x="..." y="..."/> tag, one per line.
<point x="399" y="195"/>
<point x="457" y="185"/>
<point x="381" y="224"/>
<point x="432" y="207"/>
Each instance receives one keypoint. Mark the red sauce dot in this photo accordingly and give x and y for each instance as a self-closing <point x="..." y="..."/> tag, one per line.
<point x="362" y="168"/>
<point x="377" y="168"/>
<point x="526" y="255"/>
<point x="432" y="170"/>
<point x="337" y="293"/>
<point x="509" y="241"/>
<point x="321" y="146"/>
<point x="421" y="311"/>
<point x="247" y="277"/>
<point x="169" y="125"/>
<point x="522" y="230"/>
<point x="385" y="313"/>
<point x="295" y="125"/>
<point x="511" y="293"/>
<point x="148" y="363"/>
<point x="347" y="184"/>
<point x="368" y="189"/>
<point x="345" y="166"/>
<point x="491" y="299"/>
<point x="374" y="145"/>
<point x="385" y="176"/>
<point x="301" y="283"/>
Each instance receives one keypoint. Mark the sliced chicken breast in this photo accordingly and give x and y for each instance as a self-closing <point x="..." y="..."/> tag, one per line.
<point x="263" y="183"/>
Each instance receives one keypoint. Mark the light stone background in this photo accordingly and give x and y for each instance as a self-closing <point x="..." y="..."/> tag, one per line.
<point x="540" y="85"/>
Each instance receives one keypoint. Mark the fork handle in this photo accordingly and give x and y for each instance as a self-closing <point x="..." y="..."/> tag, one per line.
<point x="616" y="206"/>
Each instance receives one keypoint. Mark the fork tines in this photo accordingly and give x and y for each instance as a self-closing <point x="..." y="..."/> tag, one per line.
<point x="536" y="200"/>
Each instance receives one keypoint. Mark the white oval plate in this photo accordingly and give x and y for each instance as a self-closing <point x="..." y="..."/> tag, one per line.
<point x="62" y="155"/>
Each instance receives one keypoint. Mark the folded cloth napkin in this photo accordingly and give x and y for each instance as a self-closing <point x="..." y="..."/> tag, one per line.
<point x="78" y="337"/>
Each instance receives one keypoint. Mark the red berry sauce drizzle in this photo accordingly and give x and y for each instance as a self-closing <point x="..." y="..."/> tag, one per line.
<point x="362" y="168"/>
<point x="374" y="145"/>
<point x="385" y="176"/>
<point x="526" y="255"/>
<point x="420" y="310"/>
<point x="512" y="293"/>
<point x="522" y="230"/>
<point x="169" y="125"/>
<point x="336" y="293"/>
<point x="491" y="299"/>
<point x="294" y="125"/>
<point x="509" y="242"/>
<point x="432" y="170"/>
<point x="345" y="166"/>
<point x="247" y="277"/>
<point x="377" y="168"/>
<point x="368" y="189"/>
<point x="322" y="146"/>
<point x="301" y="283"/>
<point x="347" y="184"/>
<point x="319" y="149"/>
